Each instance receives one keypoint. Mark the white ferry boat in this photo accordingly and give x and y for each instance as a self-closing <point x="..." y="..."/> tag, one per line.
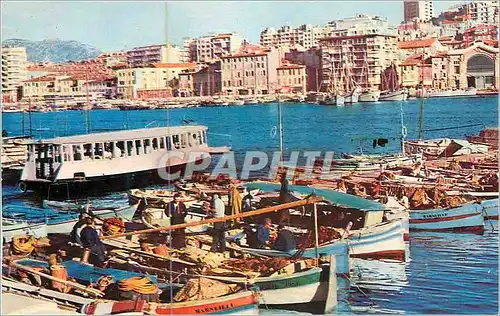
<point x="111" y="161"/>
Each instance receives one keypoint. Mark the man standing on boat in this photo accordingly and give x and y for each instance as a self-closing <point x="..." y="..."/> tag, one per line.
<point x="219" y="230"/>
<point x="176" y="210"/>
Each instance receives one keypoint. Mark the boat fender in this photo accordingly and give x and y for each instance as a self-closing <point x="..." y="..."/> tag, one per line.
<point x="23" y="186"/>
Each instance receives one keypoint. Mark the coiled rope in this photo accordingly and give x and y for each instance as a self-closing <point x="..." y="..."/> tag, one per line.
<point x="23" y="245"/>
<point x="141" y="285"/>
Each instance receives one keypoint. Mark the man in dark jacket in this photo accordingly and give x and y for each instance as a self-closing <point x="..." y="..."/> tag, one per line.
<point x="89" y="238"/>
<point x="177" y="211"/>
<point x="285" y="240"/>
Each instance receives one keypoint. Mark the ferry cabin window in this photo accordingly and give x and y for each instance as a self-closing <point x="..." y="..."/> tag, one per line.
<point x="200" y="137"/>
<point x="30" y="153"/>
<point x="98" y="151"/>
<point x="119" y="149"/>
<point x="189" y="139"/>
<point x="77" y="152"/>
<point x="130" y="148"/>
<point x="169" y="143"/>
<point x="162" y="143"/>
<point x="195" y="138"/>
<point x="87" y="151"/>
<point x="138" y="147"/>
<point x="155" y="143"/>
<point x="183" y="140"/>
<point x="175" y="139"/>
<point x="204" y="137"/>
<point x="58" y="153"/>
<point x="147" y="146"/>
<point x="108" y="150"/>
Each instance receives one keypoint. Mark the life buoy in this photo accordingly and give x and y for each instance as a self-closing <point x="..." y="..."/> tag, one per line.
<point x="23" y="187"/>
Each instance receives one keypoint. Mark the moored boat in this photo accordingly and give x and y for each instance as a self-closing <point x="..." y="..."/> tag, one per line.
<point x="490" y="208"/>
<point x="369" y="96"/>
<point x="15" y="227"/>
<point x="465" y="218"/>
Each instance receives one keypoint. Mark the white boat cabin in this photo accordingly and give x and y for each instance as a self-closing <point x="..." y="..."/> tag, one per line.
<point x="110" y="153"/>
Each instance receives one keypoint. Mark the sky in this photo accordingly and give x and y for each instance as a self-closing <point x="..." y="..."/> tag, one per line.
<point x="117" y="25"/>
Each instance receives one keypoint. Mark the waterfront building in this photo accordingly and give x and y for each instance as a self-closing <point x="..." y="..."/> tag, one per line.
<point x="211" y="47"/>
<point x="251" y="71"/>
<point x="146" y="55"/>
<point x="427" y="46"/>
<point x="54" y="88"/>
<point x="305" y="35"/>
<point x="207" y="80"/>
<point x="366" y="54"/>
<point x="14" y="62"/>
<point x="474" y="66"/>
<point x="186" y="84"/>
<point x="156" y="81"/>
<point x="416" y="70"/>
<point x="311" y="59"/>
<point x="292" y="78"/>
<point x="418" y="10"/>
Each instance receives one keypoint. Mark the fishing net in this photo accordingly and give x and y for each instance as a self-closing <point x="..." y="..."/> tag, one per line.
<point x="204" y="288"/>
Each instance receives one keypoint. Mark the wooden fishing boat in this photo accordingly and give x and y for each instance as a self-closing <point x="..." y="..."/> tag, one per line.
<point x="370" y="237"/>
<point x="241" y="303"/>
<point x="465" y="218"/>
<point x="17" y="304"/>
<point x="14" y="227"/>
<point x="490" y="208"/>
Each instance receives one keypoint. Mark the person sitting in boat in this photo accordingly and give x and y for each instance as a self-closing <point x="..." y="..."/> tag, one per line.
<point x="219" y="230"/>
<point x="77" y="228"/>
<point x="90" y="239"/>
<point x="177" y="211"/>
<point x="285" y="240"/>
<point x="263" y="234"/>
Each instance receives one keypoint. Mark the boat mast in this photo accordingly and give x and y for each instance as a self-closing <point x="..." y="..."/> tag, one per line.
<point x="87" y="113"/>
<point x="29" y="115"/>
<point x="403" y="130"/>
<point x="421" y="114"/>
<point x="280" y="126"/>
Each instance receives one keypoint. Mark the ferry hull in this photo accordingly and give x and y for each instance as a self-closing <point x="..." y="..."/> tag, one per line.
<point x="70" y="189"/>
<point x="466" y="218"/>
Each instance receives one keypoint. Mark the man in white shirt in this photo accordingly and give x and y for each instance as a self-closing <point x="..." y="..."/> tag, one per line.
<point x="219" y="230"/>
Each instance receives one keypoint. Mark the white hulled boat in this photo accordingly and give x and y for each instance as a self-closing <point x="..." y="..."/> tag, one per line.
<point x="451" y="93"/>
<point x="369" y="96"/>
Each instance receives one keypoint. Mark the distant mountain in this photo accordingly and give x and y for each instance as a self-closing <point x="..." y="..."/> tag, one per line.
<point x="54" y="50"/>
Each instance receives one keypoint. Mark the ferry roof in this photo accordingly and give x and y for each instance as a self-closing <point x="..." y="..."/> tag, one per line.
<point x="122" y="135"/>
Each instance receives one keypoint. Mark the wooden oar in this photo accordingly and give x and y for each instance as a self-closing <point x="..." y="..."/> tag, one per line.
<point x="71" y="284"/>
<point x="270" y="209"/>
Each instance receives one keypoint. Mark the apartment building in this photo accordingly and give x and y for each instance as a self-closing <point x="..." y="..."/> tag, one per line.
<point x="14" y="62"/>
<point x="306" y="36"/>
<point x="358" y="54"/>
<point x="210" y="48"/>
<point x="250" y="72"/>
<point x="483" y="12"/>
<point x="292" y="78"/>
<point x="311" y="59"/>
<point x="418" y="10"/>
<point x="147" y="55"/>
<point x="207" y="81"/>
<point x="156" y="81"/>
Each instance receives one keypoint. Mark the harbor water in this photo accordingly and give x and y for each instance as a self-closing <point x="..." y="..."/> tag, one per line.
<point x="447" y="273"/>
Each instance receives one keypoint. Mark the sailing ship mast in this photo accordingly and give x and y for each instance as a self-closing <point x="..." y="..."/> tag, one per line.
<point x="421" y="114"/>
<point x="87" y="113"/>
